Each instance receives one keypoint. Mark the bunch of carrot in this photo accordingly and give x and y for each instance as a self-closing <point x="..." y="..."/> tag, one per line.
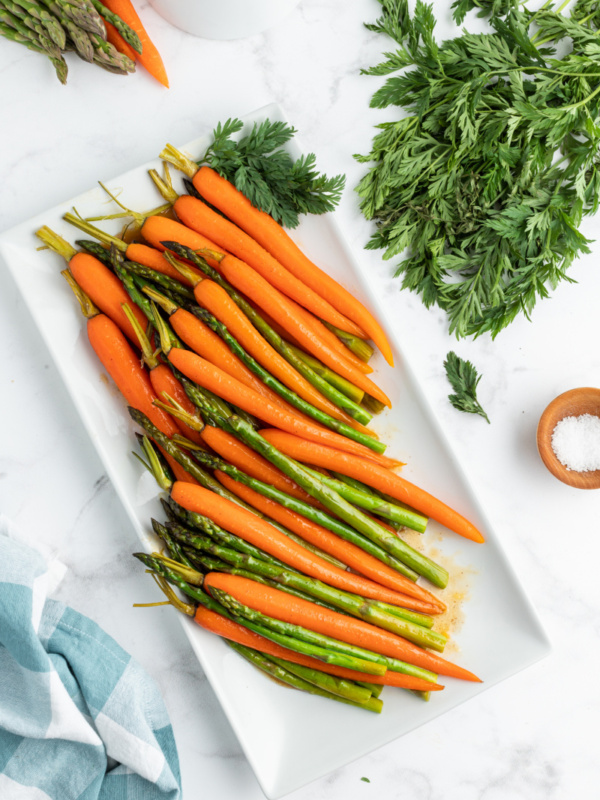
<point x="247" y="368"/>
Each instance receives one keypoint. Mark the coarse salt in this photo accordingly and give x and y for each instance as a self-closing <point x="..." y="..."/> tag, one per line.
<point x="576" y="442"/>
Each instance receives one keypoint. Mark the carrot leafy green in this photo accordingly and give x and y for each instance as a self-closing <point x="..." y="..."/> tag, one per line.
<point x="480" y="179"/>
<point x="259" y="167"/>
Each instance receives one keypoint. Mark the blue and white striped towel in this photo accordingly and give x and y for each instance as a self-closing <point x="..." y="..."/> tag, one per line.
<point x="78" y="717"/>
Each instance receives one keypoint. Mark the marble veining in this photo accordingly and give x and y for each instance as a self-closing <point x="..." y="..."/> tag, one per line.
<point x="534" y="735"/>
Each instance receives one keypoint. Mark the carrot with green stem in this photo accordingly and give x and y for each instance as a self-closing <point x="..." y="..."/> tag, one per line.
<point x="269" y="234"/>
<point x="260" y="533"/>
<point x="102" y="287"/>
<point x="351" y="409"/>
<point x="134" y="251"/>
<point x="325" y="521"/>
<point x="198" y="216"/>
<point x="381" y="479"/>
<point x="278" y="605"/>
<point x="353" y="555"/>
<point x="397" y="669"/>
<point x="230" y="629"/>
<point x="286" y="397"/>
<point x="205" y="342"/>
<point x="210" y="377"/>
<point x="292" y="318"/>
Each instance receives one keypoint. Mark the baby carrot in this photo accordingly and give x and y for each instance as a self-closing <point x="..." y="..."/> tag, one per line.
<point x="295" y="610"/>
<point x="381" y="479"/>
<point x="268" y="233"/>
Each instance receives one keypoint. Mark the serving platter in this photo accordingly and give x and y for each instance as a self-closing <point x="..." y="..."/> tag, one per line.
<point x="288" y="737"/>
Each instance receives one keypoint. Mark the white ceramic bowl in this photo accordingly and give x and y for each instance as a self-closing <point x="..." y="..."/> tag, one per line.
<point x="224" y="19"/>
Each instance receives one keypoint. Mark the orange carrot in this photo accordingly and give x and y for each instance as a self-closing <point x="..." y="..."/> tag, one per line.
<point x="295" y="610"/>
<point x="156" y="230"/>
<point x="268" y="233"/>
<point x="415" y="597"/>
<point x="149" y="257"/>
<point x="163" y="380"/>
<point x="260" y="533"/>
<point x="253" y="464"/>
<point x="231" y="390"/>
<point x="229" y="629"/>
<point x="177" y="469"/>
<point x="106" y="291"/>
<point x="373" y="475"/>
<point x="160" y="229"/>
<point x="283" y="310"/>
<point x="216" y="300"/>
<point x="123" y="365"/>
<point x="198" y="216"/>
<point x="149" y="57"/>
<point x="205" y="342"/>
<point x="330" y="338"/>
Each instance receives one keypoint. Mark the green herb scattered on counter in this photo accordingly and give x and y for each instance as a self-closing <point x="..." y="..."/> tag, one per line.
<point x="273" y="182"/>
<point x="366" y="780"/>
<point x="464" y="380"/>
<point x="487" y="174"/>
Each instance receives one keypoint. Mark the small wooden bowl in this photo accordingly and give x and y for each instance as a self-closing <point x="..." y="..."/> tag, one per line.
<point x="573" y="403"/>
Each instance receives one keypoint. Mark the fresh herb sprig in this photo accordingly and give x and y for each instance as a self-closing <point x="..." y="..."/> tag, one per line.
<point x="464" y="380"/>
<point x="259" y="167"/>
<point x="486" y="177"/>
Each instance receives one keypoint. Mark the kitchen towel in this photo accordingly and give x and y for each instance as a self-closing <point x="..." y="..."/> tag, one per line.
<point x="79" y="718"/>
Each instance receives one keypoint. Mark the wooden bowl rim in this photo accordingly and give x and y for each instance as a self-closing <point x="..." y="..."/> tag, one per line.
<point x="572" y="403"/>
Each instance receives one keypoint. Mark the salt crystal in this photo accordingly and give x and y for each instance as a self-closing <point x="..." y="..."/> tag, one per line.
<point x="576" y="442"/>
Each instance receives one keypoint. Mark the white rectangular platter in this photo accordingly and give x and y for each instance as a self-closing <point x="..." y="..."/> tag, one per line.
<point x="288" y="737"/>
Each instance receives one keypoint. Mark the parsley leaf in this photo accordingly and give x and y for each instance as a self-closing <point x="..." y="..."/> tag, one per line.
<point x="273" y="182"/>
<point x="479" y="181"/>
<point x="464" y="380"/>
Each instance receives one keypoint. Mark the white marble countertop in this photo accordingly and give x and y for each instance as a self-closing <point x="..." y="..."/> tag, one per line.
<point x="533" y="736"/>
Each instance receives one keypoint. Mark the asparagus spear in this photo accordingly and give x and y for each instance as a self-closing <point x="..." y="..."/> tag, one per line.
<point x="279" y="344"/>
<point x="280" y="674"/>
<point x="51" y="23"/>
<point x="362" y="608"/>
<point x="349" y="389"/>
<point x="108" y="57"/>
<point x="15" y="16"/>
<point x="371" y="502"/>
<point x="340" y="507"/>
<point x="95" y="249"/>
<point x="206" y="480"/>
<point x="130" y="36"/>
<point x="212" y="564"/>
<point x="268" y="379"/>
<point x="338" y="686"/>
<point x="302" y="640"/>
<point x="84" y="16"/>
<point x="346" y="532"/>
<point x="58" y="62"/>
<point x="173" y="574"/>
<point x="228" y="539"/>
<point x="358" y="346"/>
